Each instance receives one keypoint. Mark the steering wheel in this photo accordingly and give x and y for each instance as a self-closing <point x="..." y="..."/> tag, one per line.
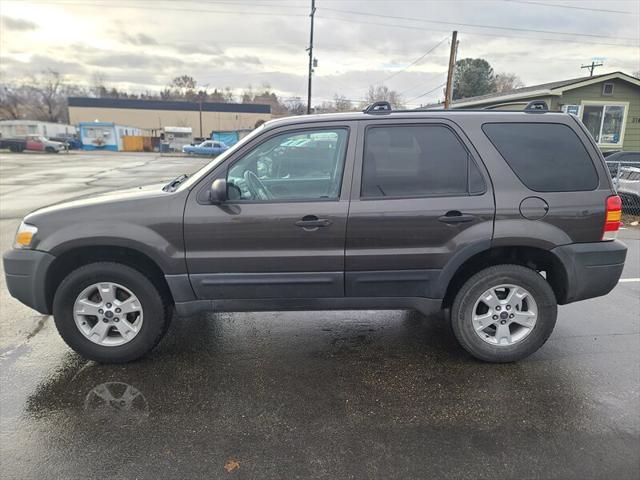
<point x="256" y="186"/>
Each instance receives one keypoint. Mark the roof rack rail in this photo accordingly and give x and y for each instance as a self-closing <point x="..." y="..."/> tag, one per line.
<point x="536" y="106"/>
<point x="378" y="107"/>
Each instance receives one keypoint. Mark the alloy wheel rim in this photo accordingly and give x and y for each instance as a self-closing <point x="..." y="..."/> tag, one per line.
<point x="108" y="314"/>
<point x="504" y="315"/>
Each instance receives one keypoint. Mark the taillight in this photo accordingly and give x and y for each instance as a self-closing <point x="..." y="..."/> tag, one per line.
<point x="612" y="218"/>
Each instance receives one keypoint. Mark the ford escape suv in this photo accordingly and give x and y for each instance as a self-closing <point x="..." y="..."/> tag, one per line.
<point x="496" y="217"/>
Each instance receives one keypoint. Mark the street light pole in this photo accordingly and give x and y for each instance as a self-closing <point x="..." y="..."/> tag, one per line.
<point x="310" y="50"/>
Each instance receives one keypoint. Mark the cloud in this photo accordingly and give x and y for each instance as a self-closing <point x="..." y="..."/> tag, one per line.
<point x="144" y="51"/>
<point x="17" y="24"/>
<point x="133" y="61"/>
<point x="192" y="48"/>
<point x="140" y="39"/>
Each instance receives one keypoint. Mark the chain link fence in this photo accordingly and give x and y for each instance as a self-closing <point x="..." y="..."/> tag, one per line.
<point x="626" y="180"/>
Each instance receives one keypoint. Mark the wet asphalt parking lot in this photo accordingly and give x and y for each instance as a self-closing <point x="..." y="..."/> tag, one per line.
<point x="308" y="395"/>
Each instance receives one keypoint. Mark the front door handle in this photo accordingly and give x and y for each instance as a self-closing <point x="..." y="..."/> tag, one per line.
<point x="455" y="216"/>
<point x="312" y="222"/>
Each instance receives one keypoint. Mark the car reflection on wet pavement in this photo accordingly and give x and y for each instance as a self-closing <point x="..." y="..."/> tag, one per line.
<point x="386" y="394"/>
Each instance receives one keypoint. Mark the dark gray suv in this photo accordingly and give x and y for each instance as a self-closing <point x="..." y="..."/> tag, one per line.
<point x="497" y="217"/>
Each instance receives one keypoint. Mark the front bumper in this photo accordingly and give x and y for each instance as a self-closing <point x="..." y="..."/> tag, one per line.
<point x="26" y="272"/>
<point x="593" y="269"/>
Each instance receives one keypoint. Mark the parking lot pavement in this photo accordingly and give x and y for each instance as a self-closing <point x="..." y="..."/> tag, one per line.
<point x="309" y="395"/>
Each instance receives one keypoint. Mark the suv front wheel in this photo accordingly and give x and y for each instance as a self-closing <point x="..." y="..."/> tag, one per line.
<point x="504" y="313"/>
<point x="110" y="312"/>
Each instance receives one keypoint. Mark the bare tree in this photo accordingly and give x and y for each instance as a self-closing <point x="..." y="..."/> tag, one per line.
<point x="99" y="85"/>
<point x="342" y="104"/>
<point x="505" y="82"/>
<point x="247" y="95"/>
<point x="382" y="93"/>
<point x="12" y="102"/>
<point x="181" y="88"/>
<point x="265" y="96"/>
<point x="295" y="106"/>
<point x="50" y="89"/>
<point x="228" y="95"/>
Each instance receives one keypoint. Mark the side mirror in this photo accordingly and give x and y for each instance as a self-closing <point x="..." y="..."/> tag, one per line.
<point x="218" y="192"/>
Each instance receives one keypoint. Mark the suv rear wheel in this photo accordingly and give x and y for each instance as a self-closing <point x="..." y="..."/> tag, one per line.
<point x="504" y="313"/>
<point x="110" y="312"/>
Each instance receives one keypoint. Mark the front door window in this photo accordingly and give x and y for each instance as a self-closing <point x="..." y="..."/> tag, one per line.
<point x="293" y="166"/>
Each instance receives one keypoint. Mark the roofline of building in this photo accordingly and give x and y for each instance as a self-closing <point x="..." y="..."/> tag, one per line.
<point x="22" y="121"/>
<point x="557" y="91"/>
<point x="127" y="103"/>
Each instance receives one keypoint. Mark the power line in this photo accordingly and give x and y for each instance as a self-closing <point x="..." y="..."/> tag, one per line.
<point x="476" y="25"/>
<point x="431" y="77"/>
<point x="416" y="60"/>
<point x="493" y="35"/>
<point x="572" y="7"/>
<point x="254" y="13"/>
<point x="165" y="9"/>
<point x="427" y="93"/>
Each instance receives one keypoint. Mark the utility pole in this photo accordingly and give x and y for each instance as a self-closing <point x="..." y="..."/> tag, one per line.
<point x="200" y="105"/>
<point x="452" y="65"/>
<point x="592" y="67"/>
<point x="310" y="50"/>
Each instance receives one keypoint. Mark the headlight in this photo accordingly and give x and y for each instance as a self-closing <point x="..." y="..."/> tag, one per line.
<point x="24" y="235"/>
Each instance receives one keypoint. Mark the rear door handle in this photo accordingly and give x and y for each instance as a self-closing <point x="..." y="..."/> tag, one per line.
<point x="454" y="216"/>
<point x="313" y="222"/>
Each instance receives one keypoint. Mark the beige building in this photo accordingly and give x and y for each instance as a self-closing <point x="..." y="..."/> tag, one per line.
<point x="156" y="114"/>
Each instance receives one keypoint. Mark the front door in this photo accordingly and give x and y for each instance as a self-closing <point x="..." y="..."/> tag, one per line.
<point x="35" y="144"/>
<point x="420" y="197"/>
<point x="282" y="232"/>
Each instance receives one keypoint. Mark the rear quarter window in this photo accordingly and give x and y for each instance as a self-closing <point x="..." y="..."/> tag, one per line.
<point x="546" y="157"/>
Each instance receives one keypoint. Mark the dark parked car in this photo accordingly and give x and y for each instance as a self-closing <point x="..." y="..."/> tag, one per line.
<point x="496" y="217"/>
<point x="624" y="159"/>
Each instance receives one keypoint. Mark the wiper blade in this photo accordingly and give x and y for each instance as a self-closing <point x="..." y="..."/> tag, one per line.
<point x="175" y="182"/>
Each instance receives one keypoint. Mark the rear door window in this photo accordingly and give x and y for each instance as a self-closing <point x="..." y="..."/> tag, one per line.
<point x="546" y="157"/>
<point x="417" y="161"/>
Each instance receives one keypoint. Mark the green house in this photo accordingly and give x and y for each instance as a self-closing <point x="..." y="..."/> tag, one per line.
<point x="608" y="105"/>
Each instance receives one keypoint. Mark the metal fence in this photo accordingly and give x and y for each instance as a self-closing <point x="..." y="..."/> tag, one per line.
<point x="626" y="180"/>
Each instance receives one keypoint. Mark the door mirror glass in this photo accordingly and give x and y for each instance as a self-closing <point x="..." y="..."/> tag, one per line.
<point x="218" y="193"/>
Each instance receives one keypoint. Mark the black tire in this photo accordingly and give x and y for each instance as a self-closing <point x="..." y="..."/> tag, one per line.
<point x="156" y="311"/>
<point x="465" y="300"/>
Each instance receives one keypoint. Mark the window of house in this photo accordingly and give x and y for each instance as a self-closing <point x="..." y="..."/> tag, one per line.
<point x="416" y="161"/>
<point x="604" y="122"/>
<point x="607" y="89"/>
<point x="301" y="165"/>
<point x="572" y="109"/>
<point x="546" y="157"/>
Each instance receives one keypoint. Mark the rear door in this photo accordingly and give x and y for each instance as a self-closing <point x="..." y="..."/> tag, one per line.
<point x="421" y="199"/>
<point x="282" y="232"/>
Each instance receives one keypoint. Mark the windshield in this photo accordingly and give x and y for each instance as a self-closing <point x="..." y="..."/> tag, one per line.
<point x="195" y="178"/>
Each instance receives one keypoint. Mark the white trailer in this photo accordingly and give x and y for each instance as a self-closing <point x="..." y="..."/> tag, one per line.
<point x="176" y="137"/>
<point x="22" y="128"/>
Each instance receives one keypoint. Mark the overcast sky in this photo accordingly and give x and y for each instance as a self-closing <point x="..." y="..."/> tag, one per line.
<point x="142" y="44"/>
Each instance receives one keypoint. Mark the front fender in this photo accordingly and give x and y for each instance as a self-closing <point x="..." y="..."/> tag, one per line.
<point x="164" y="249"/>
